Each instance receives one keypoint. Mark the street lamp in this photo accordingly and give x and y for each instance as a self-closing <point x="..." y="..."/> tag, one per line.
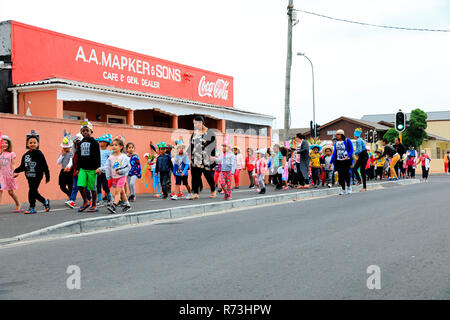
<point x="314" y="106"/>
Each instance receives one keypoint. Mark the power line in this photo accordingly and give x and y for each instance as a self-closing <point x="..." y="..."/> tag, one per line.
<point x="372" y="25"/>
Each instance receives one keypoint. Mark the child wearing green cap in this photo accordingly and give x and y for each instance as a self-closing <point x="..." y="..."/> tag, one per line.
<point x="164" y="167"/>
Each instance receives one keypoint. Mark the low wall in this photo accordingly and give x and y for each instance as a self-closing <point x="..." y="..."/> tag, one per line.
<point x="51" y="133"/>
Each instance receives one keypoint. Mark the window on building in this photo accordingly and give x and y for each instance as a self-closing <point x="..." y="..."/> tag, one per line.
<point x="116" y="119"/>
<point x="74" y="115"/>
<point x="247" y="128"/>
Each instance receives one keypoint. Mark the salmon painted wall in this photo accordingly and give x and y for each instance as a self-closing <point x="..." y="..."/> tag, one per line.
<point x="51" y="133"/>
<point x="37" y="103"/>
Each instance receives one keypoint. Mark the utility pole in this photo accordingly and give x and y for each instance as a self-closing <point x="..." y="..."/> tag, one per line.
<point x="288" y="71"/>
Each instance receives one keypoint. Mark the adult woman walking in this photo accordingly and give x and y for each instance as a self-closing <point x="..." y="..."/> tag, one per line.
<point x="393" y="155"/>
<point x="425" y="160"/>
<point x="302" y="161"/>
<point x="363" y="156"/>
<point x="342" y="159"/>
<point x="203" y="143"/>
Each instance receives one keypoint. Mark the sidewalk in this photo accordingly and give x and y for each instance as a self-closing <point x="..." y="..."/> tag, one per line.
<point x="14" y="224"/>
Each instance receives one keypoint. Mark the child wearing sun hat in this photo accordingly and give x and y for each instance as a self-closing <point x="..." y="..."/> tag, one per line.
<point x="65" y="179"/>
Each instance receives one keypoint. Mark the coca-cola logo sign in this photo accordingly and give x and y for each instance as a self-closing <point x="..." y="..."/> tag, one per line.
<point x="215" y="89"/>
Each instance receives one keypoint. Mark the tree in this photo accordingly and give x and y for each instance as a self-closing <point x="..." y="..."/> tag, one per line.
<point x="390" y="135"/>
<point x="415" y="130"/>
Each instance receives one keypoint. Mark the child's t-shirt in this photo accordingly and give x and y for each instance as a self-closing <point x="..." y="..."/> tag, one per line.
<point x="6" y="171"/>
<point x="327" y="162"/>
<point x="410" y="162"/>
<point x="380" y="162"/>
<point x="315" y="160"/>
<point x="65" y="160"/>
<point x="34" y="164"/>
<point x="104" y="155"/>
<point x="88" y="154"/>
<point x="135" y="166"/>
<point x="121" y="163"/>
<point x="181" y="164"/>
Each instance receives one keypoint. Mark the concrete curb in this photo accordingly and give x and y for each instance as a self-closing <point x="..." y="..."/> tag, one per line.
<point x="118" y="220"/>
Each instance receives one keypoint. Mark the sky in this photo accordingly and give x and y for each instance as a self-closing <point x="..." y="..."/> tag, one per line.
<point x="358" y="70"/>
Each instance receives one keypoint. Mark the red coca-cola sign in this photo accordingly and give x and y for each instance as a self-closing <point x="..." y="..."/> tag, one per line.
<point x="39" y="54"/>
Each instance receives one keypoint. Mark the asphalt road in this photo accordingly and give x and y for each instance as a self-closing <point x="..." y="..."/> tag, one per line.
<point x="315" y="249"/>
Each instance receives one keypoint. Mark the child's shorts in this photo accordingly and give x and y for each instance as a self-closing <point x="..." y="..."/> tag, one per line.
<point x="181" y="179"/>
<point x="87" y="179"/>
<point x="119" y="182"/>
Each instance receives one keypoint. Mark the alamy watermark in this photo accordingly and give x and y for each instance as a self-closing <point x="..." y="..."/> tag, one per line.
<point x="74" y="280"/>
<point x="374" y="280"/>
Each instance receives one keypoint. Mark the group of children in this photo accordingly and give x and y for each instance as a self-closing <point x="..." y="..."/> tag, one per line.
<point x="280" y="164"/>
<point x="106" y="166"/>
<point x="87" y="166"/>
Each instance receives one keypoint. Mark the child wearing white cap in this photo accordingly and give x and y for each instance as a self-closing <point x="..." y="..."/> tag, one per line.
<point x="260" y="170"/>
<point x="65" y="179"/>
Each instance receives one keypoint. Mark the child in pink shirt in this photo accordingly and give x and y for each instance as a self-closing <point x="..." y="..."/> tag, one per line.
<point x="260" y="171"/>
<point x="7" y="180"/>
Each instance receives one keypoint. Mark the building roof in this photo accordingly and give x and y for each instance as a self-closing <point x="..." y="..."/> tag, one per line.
<point x="390" y="117"/>
<point x="358" y="122"/>
<point x="375" y="125"/>
<point x="435" y="137"/>
<point x="227" y="113"/>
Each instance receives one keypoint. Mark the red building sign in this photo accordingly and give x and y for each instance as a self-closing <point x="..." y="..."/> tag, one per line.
<point x="39" y="54"/>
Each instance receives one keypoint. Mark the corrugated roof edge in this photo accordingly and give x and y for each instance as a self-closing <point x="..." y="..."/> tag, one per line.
<point x="129" y="92"/>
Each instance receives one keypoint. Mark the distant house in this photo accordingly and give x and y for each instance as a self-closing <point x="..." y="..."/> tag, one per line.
<point x="438" y="122"/>
<point x="328" y="130"/>
<point x="438" y="130"/>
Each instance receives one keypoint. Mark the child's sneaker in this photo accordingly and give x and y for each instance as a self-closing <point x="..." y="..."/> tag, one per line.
<point x="126" y="207"/>
<point x="132" y="198"/>
<point x="342" y="192"/>
<point x="172" y="194"/>
<point x="70" y="204"/>
<point x="349" y="190"/>
<point x="47" y="205"/>
<point x="189" y="196"/>
<point x="30" y="211"/>
<point x="174" y="197"/>
<point x="329" y="185"/>
<point x="112" y="208"/>
<point x="180" y="195"/>
<point x="100" y="204"/>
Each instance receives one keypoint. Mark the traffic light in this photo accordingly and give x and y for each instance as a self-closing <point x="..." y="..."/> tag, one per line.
<point x="366" y="136"/>
<point x="370" y="139"/>
<point x="317" y="130"/>
<point x="375" y="136"/>
<point x="311" y="129"/>
<point x="400" y="121"/>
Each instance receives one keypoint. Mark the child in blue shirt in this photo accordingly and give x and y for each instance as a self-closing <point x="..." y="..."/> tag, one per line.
<point x="104" y="142"/>
<point x="180" y="171"/>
